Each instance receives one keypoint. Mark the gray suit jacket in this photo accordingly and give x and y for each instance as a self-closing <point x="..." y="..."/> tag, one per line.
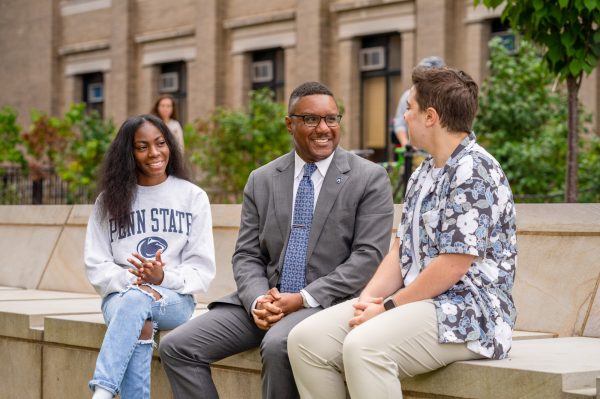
<point x="349" y="236"/>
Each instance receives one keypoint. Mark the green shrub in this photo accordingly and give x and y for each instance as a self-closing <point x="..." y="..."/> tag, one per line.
<point x="88" y="139"/>
<point x="523" y="123"/>
<point x="10" y="137"/>
<point x="230" y="144"/>
<point x="72" y="146"/>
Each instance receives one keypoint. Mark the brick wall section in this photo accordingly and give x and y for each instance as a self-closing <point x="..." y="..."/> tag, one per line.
<point x="33" y="72"/>
<point x="26" y="56"/>
<point x="431" y="28"/>
<point x="205" y="78"/>
<point x="310" y="40"/>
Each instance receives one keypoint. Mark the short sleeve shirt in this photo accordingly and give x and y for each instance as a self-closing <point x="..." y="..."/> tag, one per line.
<point x="469" y="209"/>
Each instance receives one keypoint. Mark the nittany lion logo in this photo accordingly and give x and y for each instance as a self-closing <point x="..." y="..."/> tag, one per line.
<point x="149" y="245"/>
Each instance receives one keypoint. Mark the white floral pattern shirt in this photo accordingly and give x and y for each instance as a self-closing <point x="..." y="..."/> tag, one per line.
<point x="468" y="210"/>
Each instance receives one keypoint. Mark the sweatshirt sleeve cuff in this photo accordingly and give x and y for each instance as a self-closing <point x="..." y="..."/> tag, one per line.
<point x="172" y="281"/>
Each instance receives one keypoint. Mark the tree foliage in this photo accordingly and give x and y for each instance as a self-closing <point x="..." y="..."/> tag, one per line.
<point x="569" y="32"/>
<point x="229" y="144"/>
<point x="521" y="121"/>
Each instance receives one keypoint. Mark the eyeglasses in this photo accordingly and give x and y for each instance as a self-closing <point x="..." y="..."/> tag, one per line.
<point x="314" y="120"/>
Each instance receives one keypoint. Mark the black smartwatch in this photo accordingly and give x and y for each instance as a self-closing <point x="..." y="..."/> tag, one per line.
<point x="389" y="303"/>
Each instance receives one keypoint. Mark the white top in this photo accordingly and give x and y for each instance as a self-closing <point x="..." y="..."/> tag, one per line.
<point x="173" y="216"/>
<point x="175" y="128"/>
<point x="317" y="178"/>
<point x="414" y="270"/>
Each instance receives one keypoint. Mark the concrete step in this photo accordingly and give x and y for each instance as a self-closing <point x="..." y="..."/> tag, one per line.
<point x="25" y="318"/>
<point x="582" y="393"/>
<point x="33" y="295"/>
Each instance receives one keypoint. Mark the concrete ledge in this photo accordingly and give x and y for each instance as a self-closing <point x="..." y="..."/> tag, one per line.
<point x="34" y="214"/>
<point x="535" y="369"/>
<point x="561" y="219"/>
<point x="65" y="332"/>
<point x="32" y="295"/>
<point x="519" y="335"/>
<point x="72" y="342"/>
<point x="25" y="319"/>
<point x="85" y="330"/>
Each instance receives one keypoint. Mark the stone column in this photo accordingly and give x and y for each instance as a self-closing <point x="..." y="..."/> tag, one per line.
<point x="349" y="92"/>
<point x="291" y="78"/>
<point x="240" y="79"/>
<point x="432" y="24"/>
<point x="205" y="75"/>
<point x="28" y="56"/>
<point x="589" y="95"/>
<point x="311" y="40"/>
<point x="120" y="87"/>
<point x="147" y="88"/>
<point x="72" y="87"/>
<point x="476" y="38"/>
<point x="408" y="58"/>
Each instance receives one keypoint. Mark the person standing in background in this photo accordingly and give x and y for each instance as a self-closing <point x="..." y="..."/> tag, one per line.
<point x="400" y="127"/>
<point x="164" y="108"/>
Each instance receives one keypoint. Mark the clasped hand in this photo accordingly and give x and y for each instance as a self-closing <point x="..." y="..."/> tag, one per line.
<point x="273" y="306"/>
<point x="147" y="271"/>
<point x="365" y="309"/>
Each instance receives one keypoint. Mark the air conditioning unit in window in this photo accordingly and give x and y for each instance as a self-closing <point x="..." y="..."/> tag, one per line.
<point x="262" y="71"/>
<point x="372" y="58"/>
<point x="95" y="93"/>
<point x="168" y="82"/>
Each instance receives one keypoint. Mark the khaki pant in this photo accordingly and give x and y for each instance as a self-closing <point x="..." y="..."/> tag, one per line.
<point x="374" y="356"/>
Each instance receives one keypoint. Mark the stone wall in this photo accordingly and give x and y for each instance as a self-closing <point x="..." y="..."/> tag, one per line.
<point x="556" y="282"/>
<point x="51" y="331"/>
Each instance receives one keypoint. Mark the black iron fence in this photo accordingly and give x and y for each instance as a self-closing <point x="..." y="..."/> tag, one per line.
<point x="44" y="187"/>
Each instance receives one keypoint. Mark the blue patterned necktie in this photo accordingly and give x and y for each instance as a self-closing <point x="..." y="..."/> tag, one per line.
<point x="294" y="263"/>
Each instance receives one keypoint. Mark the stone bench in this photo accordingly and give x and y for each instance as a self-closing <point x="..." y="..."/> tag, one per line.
<point x="55" y="336"/>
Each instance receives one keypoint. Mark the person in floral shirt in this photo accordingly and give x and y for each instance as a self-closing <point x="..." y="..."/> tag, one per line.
<point x="443" y="292"/>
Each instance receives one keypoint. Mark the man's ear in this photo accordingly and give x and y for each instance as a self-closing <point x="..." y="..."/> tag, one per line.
<point x="288" y="124"/>
<point x="431" y="117"/>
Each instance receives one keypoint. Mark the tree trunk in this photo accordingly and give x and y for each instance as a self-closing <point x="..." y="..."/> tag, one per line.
<point x="571" y="178"/>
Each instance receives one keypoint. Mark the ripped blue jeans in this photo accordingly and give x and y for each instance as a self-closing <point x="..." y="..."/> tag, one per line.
<point x="123" y="364"/>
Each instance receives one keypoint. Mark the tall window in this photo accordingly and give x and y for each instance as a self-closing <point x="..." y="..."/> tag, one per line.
<point x="379" y="63"/>
<point x="93" y="92"/>
<point x="173" y="80"/>
<point x="267" y="71"/>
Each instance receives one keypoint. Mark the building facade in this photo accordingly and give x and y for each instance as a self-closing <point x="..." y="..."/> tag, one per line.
<point x="119" y="55"/>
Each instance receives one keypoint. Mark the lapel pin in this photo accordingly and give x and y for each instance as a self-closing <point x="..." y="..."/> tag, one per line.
<point x="338" y="180"/>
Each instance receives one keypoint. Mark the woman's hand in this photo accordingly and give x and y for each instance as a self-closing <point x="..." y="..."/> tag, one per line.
<point x="147" y="271"/>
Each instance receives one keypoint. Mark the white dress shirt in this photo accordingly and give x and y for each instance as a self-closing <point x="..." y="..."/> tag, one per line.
<point x="317" y="178"/>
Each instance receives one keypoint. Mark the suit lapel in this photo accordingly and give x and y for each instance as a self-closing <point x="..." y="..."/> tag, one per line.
<point x="283" y="187"/>
<point x="334" y="179"/>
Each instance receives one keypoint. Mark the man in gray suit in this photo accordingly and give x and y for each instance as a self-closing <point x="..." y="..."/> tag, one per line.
<point x="351" y="209"/>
